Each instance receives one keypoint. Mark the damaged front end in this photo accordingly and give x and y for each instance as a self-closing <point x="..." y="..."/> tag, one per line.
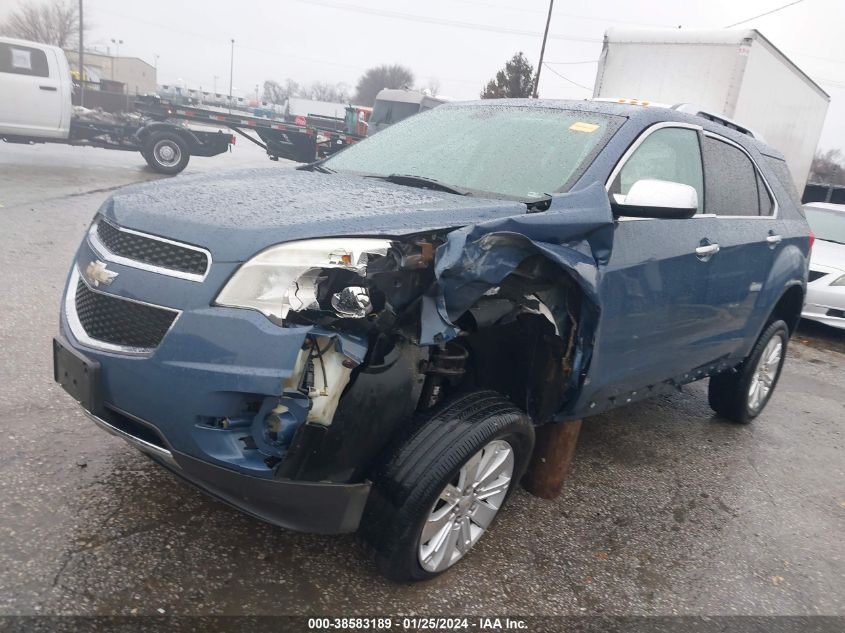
<point x="393" y="326"/>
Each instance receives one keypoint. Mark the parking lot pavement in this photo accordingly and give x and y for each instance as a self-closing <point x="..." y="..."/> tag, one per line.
<point x="36" y="173"/>
<point x="668" y="510"/>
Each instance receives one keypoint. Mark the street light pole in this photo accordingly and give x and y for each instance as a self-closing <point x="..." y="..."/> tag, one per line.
<point x="543" y="50"/>
<point x="81" y="60"/>
<point x="231" y="73"/>
<point x="117" y="43"/>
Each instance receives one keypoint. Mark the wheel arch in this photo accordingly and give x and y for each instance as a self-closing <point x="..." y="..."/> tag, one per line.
<point x="789" y="305"/>
<point x="159" y="126"/>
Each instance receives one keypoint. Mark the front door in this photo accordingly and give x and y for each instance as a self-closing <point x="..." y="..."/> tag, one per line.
<point x="654" y="291"/>
<point x="31" y="102"/>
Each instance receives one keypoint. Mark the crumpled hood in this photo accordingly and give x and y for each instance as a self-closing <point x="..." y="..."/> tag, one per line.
<point x="239" y="213"/>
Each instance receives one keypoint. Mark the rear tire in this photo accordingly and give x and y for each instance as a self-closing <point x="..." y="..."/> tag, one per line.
<point x="166" y="153"/>
<point x="450" y="477"/>
<point x="741" y="395"/>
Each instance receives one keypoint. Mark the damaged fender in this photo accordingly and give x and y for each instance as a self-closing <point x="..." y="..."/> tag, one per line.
<point x="476" y="258"/>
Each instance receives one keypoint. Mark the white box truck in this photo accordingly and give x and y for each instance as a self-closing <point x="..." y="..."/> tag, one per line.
<point x="737" y="74"/>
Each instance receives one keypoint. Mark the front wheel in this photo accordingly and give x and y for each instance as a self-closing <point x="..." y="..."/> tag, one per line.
<point x="441" y="490"/>
<point x="740" y="396"/>
<point x="166" y="153"/>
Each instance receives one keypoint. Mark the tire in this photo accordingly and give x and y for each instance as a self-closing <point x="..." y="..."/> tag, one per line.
<point x="412" y="485"/>
<point x="733" y="396"/>
<point x="166" y="152"/>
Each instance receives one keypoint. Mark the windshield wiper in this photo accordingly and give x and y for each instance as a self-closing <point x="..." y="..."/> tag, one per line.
<point x="422" y="181"/>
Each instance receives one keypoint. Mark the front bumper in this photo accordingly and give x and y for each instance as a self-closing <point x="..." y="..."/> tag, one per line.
<point x="834" y="317"/>
<point x="825" y="302"/>
<point x="322" y="508"/>
<point x="190" y="402"/>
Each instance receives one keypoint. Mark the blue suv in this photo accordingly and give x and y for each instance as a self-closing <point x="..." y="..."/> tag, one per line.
<point x="369" y="342"/>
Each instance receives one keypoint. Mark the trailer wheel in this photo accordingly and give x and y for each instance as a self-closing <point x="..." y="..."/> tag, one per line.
<point x="166" y="153"/>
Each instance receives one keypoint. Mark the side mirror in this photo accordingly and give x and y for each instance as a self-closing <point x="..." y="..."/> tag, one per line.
<point x="657" y="199"/>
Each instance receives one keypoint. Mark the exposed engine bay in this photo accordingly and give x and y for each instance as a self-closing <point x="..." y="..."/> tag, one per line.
<point x="519" y="338"/>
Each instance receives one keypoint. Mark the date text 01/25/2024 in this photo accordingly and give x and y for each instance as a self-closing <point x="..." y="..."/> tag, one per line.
<point x="415" y="623"/>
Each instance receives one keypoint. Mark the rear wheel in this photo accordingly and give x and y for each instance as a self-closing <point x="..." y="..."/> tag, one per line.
<point x="740" y="396"/>
<point x="440" y="491"/>
<point x="166" y="153"/>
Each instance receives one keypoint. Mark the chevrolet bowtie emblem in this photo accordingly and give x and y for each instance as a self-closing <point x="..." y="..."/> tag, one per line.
<point x="96" y="274"/>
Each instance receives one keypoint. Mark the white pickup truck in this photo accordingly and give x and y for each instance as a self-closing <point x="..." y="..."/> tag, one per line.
<point x="35" y="107"/>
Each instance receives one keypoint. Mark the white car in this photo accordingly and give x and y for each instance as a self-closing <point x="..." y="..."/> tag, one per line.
<point x="826" y="284"/>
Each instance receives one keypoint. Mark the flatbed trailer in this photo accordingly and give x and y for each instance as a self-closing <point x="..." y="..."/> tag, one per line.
<point x="281" y="139"/>
<point x="165" y="146"/>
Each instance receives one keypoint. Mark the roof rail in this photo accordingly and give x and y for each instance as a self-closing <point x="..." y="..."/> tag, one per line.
<point x="689" y="108"/>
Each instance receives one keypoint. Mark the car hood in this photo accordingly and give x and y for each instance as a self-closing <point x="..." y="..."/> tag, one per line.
<point x="239" y="213"/>
<point x="828" y="254"/>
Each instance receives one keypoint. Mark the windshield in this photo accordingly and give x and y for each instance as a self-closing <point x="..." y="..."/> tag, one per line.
<point x="827" y="224"/>
<point x="515" y="152"/>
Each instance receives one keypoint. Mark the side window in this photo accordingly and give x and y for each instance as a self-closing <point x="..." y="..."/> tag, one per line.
<point x="731" y="181"/>
<point x="785" y="178"/>
<point x="670" y="153"/>
<point x="23" y="60"/>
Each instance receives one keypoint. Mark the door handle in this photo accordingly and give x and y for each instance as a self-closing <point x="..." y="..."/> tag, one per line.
<point x="707" y="251"/>
<point x="774" y="239"/>
<point x="50" y="88"/>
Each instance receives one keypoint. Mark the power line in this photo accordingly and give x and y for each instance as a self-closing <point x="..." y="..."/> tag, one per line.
<point x="574" y="83"/>
<point x="586" y="61"/>
<point x="387" y="13"/>
<point x="521" y="9"/>
<point x="831" y="82"/>
<point x="221" y="38"/>
<point x="764" y="14"/>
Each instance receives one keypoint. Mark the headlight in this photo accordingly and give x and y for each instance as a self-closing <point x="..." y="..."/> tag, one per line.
<point x="286" y="277"/>
<point x="839" y="282"/>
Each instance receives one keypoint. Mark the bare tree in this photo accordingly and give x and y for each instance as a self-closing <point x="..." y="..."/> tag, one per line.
<point x="516" y="79"/>
<point x="55" y="22"/>
<point x="432" y="86"/>
<point x="828" y="168"/>
<point x="380" y="77"/>
<point x="323" y="91"/>
<point x="274" y="92"/>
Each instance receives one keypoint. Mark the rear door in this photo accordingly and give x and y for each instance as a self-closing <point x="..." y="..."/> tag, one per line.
<point x="741" y="209"/>
<point x="31" y="97"/>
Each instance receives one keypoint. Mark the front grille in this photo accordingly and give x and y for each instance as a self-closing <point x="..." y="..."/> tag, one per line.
<point x="149" y="250"/>
<point x="117" y="321"/>
<point x="815" y="274"/>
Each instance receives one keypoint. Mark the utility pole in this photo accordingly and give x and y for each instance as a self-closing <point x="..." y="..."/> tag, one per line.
<point x="81" y="60"/>
<point x="543" y="50"/>
<point x="231" y="73"/>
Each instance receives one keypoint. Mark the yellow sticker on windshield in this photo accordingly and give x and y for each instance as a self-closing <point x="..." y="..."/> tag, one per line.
<point x="580" y="126"/>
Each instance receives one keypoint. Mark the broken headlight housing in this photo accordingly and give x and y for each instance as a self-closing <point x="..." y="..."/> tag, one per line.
<point x="286" y="277"/>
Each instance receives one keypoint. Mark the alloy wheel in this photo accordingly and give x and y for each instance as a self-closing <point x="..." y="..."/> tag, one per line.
<point x="466" y="507"/>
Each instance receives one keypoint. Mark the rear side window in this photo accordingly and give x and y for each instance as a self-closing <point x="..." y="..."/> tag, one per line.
<point x="782" y="172"/>
<point x="670" y="153"/>
<point x="23" y="60"/>
<point x="732" y="183"/>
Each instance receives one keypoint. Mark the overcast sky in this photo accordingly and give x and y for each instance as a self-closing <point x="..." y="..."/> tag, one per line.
<point x="458" y="43"/>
